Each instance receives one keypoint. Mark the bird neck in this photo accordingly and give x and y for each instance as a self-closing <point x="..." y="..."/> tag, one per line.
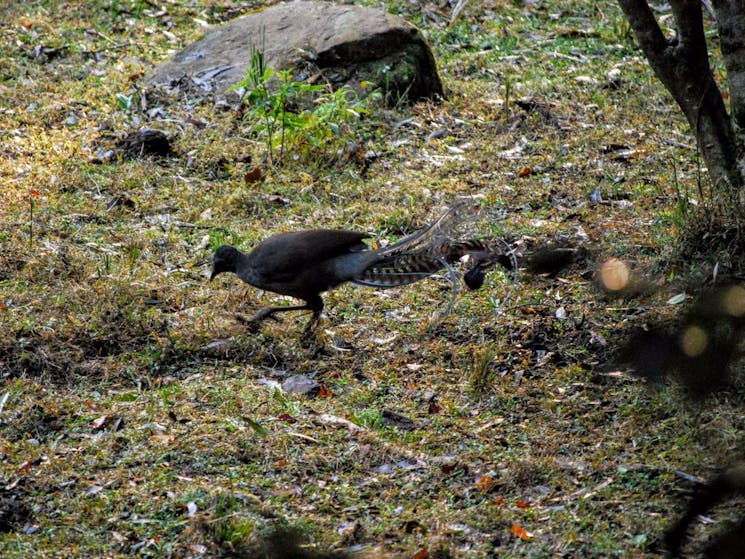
<point x="248" y="267"/>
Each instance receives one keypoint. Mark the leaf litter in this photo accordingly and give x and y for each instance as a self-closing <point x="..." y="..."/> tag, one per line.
<point x="133" y="405"/>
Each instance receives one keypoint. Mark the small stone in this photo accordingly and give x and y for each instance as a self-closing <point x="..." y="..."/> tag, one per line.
<point x="301" y="384"/>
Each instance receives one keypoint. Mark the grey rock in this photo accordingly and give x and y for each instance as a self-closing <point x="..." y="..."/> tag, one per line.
<point x="321" y="42"/>
<point x="301" y="384"/>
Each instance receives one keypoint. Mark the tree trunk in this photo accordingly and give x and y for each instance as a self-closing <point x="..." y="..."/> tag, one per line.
<point x="731" y="25"/>
<point x="682" y="64"/>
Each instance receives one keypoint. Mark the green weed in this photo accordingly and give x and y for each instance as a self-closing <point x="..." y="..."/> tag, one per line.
<point x="289" y="116"/>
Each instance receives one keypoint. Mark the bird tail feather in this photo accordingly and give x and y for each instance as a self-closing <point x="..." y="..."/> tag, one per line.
<point x="429" y="250"/>
<point x="405" y="267"/>
<point x="400" y="269"/>
<point x="436" y="234"/>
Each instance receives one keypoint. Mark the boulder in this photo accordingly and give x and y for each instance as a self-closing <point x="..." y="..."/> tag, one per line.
<point x="320" y="42"/>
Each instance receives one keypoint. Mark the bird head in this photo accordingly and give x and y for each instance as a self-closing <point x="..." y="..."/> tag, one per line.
<point x="225" y="260"/>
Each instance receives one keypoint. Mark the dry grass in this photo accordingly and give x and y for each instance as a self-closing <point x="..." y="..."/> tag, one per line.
<point x="141" y="417"/>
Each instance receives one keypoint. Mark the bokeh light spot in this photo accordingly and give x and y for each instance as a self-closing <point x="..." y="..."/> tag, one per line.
<point x="734" y="301"/>
<point x="694" y="341"/>
<point x="614" y="274"/>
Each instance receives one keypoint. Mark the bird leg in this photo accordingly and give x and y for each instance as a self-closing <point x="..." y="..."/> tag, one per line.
<point x="310" y="335"/>
<point x="269" y="312"/>
<point x="314" y="304"/>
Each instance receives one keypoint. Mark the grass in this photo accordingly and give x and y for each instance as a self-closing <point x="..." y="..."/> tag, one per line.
<point x="131" y="427"/>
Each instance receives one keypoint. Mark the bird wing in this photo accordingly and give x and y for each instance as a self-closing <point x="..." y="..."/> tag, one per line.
<point x="286" y="253"/>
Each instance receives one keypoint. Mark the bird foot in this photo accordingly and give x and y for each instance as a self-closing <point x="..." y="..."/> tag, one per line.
<point x="253" y="323"/>
<point x="312" y="335"/>
<point x="263" y="314"/>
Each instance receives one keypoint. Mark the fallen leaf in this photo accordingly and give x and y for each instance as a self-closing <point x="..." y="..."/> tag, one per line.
<point x="301" y="384"/>
<point x="153" y="426"/>
<point x="100" y="422"/>
<point x="91" y="405"/>
<point x="304" y="437"/>
<point x="191" y="508"/>
<point x="411" y="527"/>
<point x="324" y="392"/>
<point x="197" y="548"/>
<point x="485" y="483"/>
<point x="448" y="469"/>
<point x="161" y="437"/>
<point x="525" y="172"/>
<point x="254" y="175"/>
<point x="27" y="465"/>
<point x="219" y="344"/>
<point x="421" y="554"/>
<point x="392" y="419"/>
<point x="520" y="532"/>
<point x="256" y="426"/>
<point x="522" y="504"/>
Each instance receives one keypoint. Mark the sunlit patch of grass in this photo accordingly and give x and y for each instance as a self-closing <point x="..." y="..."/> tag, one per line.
<point x="119" y="414"/>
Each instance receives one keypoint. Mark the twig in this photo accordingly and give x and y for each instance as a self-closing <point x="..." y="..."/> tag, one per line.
<point x="457" y="9"/>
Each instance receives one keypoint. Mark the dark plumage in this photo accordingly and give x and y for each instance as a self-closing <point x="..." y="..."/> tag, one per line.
<point x="304" y="264"/>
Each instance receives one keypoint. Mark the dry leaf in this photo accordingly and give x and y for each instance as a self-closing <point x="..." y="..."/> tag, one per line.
<point x="520" y="532"/>
<point x="324" y="392"/>
<point x="421" y="554"/>
<point x="91" y="405"/>
<point x="485" y="483"/>
<point x="101" y="422"/>
<point x="161" y="437"/>
<point x="254" y="175"/>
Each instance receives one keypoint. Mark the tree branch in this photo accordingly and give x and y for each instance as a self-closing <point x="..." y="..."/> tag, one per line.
<point x="645" y="26"/>
<point x="690" y="25"/>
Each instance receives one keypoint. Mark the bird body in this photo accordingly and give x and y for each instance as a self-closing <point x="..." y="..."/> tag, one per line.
<point x="304" y="264"/>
